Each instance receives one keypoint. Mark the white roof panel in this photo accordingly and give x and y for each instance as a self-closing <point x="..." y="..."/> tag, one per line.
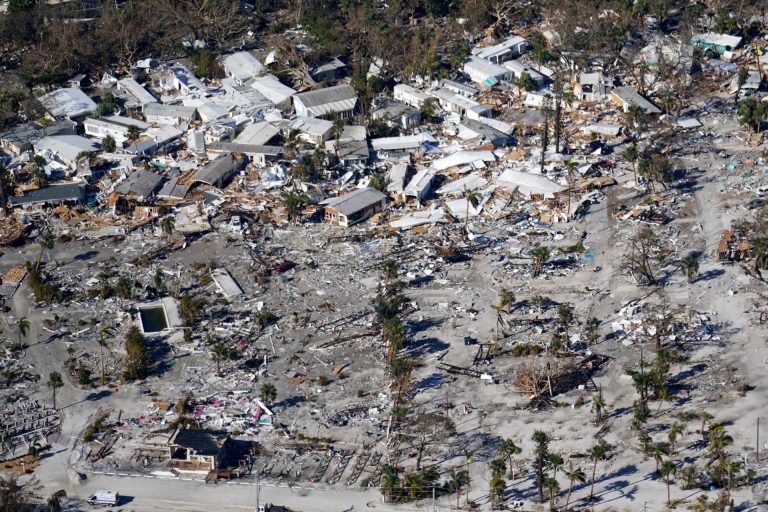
<point x="272" y="89"/>
<point x="69" y="102"/>
<point x="462" y="158"/>
<point x="242" y="65"/>
<point x="528" y="183"/>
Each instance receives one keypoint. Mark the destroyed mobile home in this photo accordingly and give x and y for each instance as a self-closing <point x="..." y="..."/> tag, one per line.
<point x="260" y="276"/>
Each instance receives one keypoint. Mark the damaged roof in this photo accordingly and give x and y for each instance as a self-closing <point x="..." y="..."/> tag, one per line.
<point x="67" y="102"/>
<point x="355" y="201"/>
<point x="140" y="184"/>
<point x="51" y="194"/>
<point x="203" y="442"/>
<point x="321" y="102"/>
<point x="528" y="183"/>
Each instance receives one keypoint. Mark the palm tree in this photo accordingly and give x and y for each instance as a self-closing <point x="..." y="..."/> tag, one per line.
<point x="540" y="257"/>
<point x="124" y="288"/>
<point x="102" y="344"/>
<point x="167" y="225"/>
<point x="291" y="144"/>
<point x="108" y="144"/>
<point x="508" y="449"/>
<point x="379" y="182"/>
<point x="47" y="241"/>
<point x="6" y="187"/>
<point x="458" y="478"/>
<point x="497" y="487"/>
<point x="555" y="462"/>
<point x="133" y="135"/>
<point x="429" y="477"/>
<point x="646" y="170"/>
<point x="390" y="481"/>
<point x="391" y="269"/>
<point x="552" y="487"/>
<point x="574" y="475"/>
<point x="294" y="203"/>
<point x="539" y="301"/>
<point x="732" y="468"/>
<point x="55" y="382"/>
<point x="570" y="167"/>
<point x="759" y="249"/>
<point x="659" y="450"/>
<point x="23" y="325"/>
<point x="468" y="455"/>
<point x="541" y="455"/>
<point x="630" y="155"/>
<point x="675" y="430"/>
<point x="668" y="472"/>
<point x="54" y="502"/>
<point x="38" y="163"/>
<point x="598" y="405"/>
<point x="473" y="198"/>
<point x="596" y="453"/>
<point x="39" y="177"/>
<point x="498" y="467"/>
<point x="268" y="392"/>
<point x="108" y="104"/>
<point x="664" y="395"/>
<point x="45" y="122"/>
<point x="718" y="440"/>
<point x="593" y="334"/>
<point x="506" y="298"/>
<point x="741" y="79"/>
<point x="690" y="266"/>
<point x="89" y="155"/>
<point x="319" y="155"/>
<point x="635" y="116"/>
<point x="218" y="354"/>
<point x="337" y="130"/>
<point x="414" y="483"/>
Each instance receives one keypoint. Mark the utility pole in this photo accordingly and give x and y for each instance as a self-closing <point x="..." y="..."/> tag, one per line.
<point x="757" y="441"/>
<point x="258" y="489"/>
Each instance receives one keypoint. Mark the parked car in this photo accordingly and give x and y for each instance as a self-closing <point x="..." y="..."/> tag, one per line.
<point x="103" y="497"/>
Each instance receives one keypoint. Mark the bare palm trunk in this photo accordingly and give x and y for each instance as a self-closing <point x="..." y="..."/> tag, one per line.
<point x="466" y="219"/>
<point x="468" y="485"/>
<point x="568" y="498"/>
<point x="592" y="489"/>
<point x="39" y="257"/>
<point x="101" y="350"/>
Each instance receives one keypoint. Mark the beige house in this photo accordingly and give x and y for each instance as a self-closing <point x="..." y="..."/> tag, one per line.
<point x="354" y="207"/>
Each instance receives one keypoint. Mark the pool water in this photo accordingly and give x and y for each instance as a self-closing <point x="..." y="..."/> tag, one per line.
<point x="153" y="319"/>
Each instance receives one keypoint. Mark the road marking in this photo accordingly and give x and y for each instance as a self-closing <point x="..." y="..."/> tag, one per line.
<point x="204" y="506"/>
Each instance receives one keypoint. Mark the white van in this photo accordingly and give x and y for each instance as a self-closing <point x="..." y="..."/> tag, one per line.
<point x="104" y="498"/>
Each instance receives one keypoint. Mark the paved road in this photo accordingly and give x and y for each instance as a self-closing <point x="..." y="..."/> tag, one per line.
<point x="154" y="494"/>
